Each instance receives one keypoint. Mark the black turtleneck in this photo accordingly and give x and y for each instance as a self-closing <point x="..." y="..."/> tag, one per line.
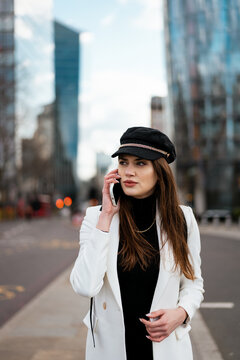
<point x="137" y="286"/>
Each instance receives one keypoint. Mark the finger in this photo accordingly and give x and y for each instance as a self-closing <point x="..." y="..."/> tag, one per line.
<point x="156" y="330"/>
<point x="160" y="334"/>
<point x="112" y="175"/>
<point x="156" y="336"/>
<point x="151" y="324"/>
<point x="115" y="171"/>
<point x="109" y="181"/>
<point x="155" y="314"/>
<point x="161" y="338"/>
<point x="107" y="185"/>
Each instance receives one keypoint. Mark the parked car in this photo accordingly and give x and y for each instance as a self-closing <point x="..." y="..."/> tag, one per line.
<point x="216" y="214"/>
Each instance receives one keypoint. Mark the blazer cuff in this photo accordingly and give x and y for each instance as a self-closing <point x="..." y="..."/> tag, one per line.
<point x="188" y="311"/>
<point x="102" y="236"/>
<point x="187" y="317"/>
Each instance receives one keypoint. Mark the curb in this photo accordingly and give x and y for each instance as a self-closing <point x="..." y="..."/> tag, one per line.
<point x="204" y="346"/>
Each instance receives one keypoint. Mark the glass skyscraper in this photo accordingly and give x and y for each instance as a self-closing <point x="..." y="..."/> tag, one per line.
<point x="26" y="86"/>
<point x="203" y="62"/>
<point x="34" y="90"/>
<point x="7" y="104"/>
<point x="67" y="57"/>
<point x="34" y="56"/>
<point x="39" y="91"/>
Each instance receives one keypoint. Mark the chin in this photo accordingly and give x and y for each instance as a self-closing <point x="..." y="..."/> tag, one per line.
<point x="132" y="192"/>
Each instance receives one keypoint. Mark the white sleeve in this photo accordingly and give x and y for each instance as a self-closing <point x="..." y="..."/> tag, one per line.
<point x="90" y="266"/>
<point x="191" y="291"/>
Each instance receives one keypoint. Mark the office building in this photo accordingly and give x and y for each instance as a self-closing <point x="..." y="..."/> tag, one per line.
<point x="203" y="65"/>
<point x="26" y="83"/>
<point x="39" y="91"/>
<point x="66" y="63"/>
<point x="8" y="184"/>
<point x="159" y="118"/>
<point x="37" y="171"/>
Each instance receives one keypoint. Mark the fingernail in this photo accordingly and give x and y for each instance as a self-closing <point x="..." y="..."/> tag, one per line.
<point x="148" y="314"/>
<point x="140" y="319"/>
<point x="116" y="180"/>
<point x="148" y="337"/>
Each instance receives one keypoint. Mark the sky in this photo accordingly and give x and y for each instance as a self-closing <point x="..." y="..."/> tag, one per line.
<point x="122" y="67"/>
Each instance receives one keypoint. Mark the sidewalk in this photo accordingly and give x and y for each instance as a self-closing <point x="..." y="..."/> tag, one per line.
<point x="47" y="328"/>
<point x="222" y="230"/>
<point x="50" y="328"/>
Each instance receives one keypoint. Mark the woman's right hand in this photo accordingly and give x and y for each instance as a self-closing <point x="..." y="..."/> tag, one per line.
<point x="107" y="206"/>
<point x="108" y="209"/>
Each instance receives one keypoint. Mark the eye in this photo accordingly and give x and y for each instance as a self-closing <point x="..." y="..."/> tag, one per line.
<point x="141" y="163"/>
<point x="122" y="162"/>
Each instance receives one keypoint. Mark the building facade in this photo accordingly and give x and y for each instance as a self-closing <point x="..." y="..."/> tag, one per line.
<point x="203" y="65"/>
<point x="8" y="184"/>
<point x="37" y="171"/>
<point x="39" y="91"/>
<point x="158" y="114"/>
<point x="66" y="64"/>
<point x="26" y="84"/>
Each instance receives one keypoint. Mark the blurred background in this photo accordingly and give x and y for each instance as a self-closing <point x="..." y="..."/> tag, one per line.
<point x="73" y="77"/>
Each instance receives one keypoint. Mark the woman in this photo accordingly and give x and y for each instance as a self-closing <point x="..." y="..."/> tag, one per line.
<point x="139" y="261"/>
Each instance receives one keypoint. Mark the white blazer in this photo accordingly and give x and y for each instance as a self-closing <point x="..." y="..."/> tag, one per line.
<point x="94" y="274"/>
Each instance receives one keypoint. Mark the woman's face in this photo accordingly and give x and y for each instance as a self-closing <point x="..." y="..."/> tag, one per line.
<point x="138" y="177"/>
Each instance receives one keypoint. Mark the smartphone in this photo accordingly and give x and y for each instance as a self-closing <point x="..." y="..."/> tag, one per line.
<point x="115" y="192"/>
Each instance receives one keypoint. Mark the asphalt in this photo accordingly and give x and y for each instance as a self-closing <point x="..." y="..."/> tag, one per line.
<point x="50" y="326"/>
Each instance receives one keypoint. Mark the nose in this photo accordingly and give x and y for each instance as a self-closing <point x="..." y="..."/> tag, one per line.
<point x="129" y="171"/>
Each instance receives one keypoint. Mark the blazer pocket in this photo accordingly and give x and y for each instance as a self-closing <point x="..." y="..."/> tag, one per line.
<point x="182" y="330"/>
<point x="87" y="322"/>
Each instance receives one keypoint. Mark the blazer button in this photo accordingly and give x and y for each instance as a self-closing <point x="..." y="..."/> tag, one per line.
<point x="104" y="306"/>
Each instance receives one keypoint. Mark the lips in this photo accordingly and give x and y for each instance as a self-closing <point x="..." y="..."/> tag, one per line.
<point x="129" y="183"/>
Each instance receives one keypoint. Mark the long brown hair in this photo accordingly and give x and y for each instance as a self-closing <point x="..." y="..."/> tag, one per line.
<point x="134" y="247"/>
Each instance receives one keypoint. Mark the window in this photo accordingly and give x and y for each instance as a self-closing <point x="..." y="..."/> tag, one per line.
<point x="7" y="58"/>
<point x="6" y="40"/>
<point x="6" y="23"/>
<point x="6" y="6"/>
<point x="10" y="110"/>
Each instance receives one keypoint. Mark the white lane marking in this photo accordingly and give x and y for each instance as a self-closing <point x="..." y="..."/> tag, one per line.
<point x="217" y="305"/>
<point x="14" y="231"/>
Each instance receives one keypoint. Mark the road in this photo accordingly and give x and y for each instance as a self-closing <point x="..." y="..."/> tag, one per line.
<point x="221" y="272"/>
<point x="32" y="254"/>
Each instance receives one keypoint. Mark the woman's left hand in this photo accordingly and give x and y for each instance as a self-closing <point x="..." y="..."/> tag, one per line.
<point x="167" y="321"/>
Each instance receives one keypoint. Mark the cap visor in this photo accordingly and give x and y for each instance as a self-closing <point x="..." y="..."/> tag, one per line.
<point x="139" y="152"/>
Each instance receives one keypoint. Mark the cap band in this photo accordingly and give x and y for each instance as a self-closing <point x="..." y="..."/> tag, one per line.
<point x="145" y="147"/>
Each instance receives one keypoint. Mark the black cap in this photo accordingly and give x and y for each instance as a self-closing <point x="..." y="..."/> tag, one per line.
<point x="146" y="143"/>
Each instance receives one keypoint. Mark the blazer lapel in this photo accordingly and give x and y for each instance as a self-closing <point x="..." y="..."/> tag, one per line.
<point x="166" y="265"/>
<point x="112" y="259"/>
